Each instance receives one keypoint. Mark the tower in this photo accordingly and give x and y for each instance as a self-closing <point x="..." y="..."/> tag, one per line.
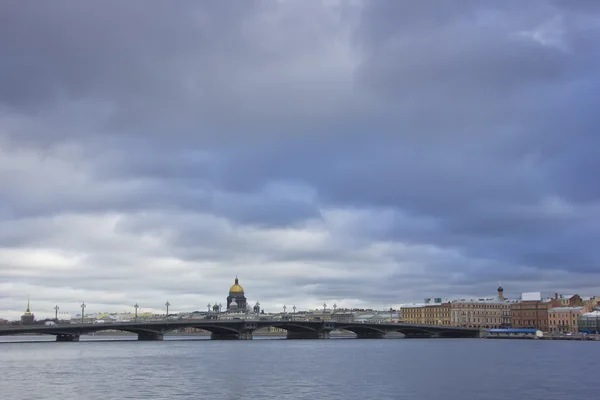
<point x="501" y="292"/>
<point x="27" y="318"/>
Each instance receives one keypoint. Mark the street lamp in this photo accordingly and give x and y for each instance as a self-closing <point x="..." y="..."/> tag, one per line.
<point x="324" y="307"/>
<point x="209" y="306"/>
<point x="294" y="308"/>
<point x="56" y="308"/>
<point x="136" y="308"/>
<point x="391" y="315"/>
<point x="284" y="308"/>
<point x="82" y="311"/>
<point x="167" y="304"/>
<point x="334" y="307"/>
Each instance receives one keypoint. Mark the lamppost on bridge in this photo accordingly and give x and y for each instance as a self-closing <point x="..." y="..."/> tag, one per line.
<point x="284" y="308"/>
<point x="391" y="314"/>
<point x="167" y="304"/>
<point x="334" y="307"/>
<point x="82" y="311"/>
<point x="56" y="308"/>
<point x="324" y="307"/>
<point x="209" y="307"/>
<point x="294" y="316"/>
<point x="257" y="308"/>
<point x="136" y="308"/>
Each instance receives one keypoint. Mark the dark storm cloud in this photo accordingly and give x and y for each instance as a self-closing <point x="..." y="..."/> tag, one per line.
<point x="463" y="133"/>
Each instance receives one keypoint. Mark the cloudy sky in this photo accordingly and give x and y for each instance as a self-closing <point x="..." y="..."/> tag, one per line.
<point x="359" y="152"/>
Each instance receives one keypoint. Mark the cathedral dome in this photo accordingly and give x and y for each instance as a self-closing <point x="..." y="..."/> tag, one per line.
<point x="236" y="288"/>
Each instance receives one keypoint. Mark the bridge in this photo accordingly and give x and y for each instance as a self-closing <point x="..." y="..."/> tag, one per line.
<point x="238" y="329"/>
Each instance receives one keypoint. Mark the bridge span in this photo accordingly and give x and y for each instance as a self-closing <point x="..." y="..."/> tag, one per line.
<point x="238" y="329"/>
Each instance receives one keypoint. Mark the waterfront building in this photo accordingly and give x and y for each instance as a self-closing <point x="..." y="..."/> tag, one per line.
<point x="236" y="301"/>
<point x="531" y="312"/>
<point x="491" y="312"/>
<point x="564" y="319"/>
<point x="413" y="313"/>
<point x="589" y="322"/>
<point x="28" y="317"/>
<point x="437" y="314"/>
<point x="534" y="312"/>
<point x="433" y="312"/>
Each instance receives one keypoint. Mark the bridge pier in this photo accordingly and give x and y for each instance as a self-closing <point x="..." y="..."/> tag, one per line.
<point x="308" y="335"/>
<point x="150" y="336"/>
<point x="67" y="338"/>
<point x="231" y="336"/>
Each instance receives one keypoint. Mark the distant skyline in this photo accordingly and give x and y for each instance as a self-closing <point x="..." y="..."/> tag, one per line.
<point x="363" y="153"/>
<point x="74" y="308"/>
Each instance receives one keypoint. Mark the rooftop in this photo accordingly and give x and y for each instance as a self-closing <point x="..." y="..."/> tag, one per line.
<point x="413" y="305"/>
<point x="565" y="309"/>
<point x="490" y="300"/>
<point x="593" y="314"/>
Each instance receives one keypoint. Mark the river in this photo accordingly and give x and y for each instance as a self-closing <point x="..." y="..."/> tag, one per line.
<point x="434" y="369"/>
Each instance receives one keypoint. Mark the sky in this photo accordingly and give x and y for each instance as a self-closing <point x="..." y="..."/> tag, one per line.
<point x="362" y="153"/>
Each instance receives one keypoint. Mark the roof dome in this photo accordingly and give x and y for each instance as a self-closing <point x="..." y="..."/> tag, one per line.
<point x="236" y="288"/>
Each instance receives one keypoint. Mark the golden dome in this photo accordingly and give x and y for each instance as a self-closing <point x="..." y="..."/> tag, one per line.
<point x="236" y="288"/>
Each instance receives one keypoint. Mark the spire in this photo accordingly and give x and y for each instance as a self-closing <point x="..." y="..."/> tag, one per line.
<point x="28" y="311"/>
<point x="236" y="280"/>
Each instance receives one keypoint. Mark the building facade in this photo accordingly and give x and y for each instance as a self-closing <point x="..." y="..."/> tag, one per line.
<point x="413" y="313"/>
<point x="589" y="322"/>
<point x="494" y="312"/>
<point x="437" y="314"/>
<point x="481" y="313"/>
<point x="564" y="319"/>
<point x="531" y="314"/>
<point x="426" y="314"/>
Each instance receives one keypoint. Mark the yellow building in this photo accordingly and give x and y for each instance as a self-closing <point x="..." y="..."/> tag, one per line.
<point x="413" y="313"/>
<point x="564" y="319"/>
<point x="427" y="314"/>
<point x="436" y="314"/>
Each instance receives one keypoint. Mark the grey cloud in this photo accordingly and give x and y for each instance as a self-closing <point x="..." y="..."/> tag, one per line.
<point x="461" y="136"/>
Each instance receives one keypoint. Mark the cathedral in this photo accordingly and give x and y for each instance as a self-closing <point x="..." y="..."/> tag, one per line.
<point x="236" y="301"/>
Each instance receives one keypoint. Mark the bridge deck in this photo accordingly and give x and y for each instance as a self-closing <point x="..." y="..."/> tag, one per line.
<point x="239" y="328"/>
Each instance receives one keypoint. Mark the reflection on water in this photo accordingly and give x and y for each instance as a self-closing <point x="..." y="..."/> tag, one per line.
<point x="196" y="368"/>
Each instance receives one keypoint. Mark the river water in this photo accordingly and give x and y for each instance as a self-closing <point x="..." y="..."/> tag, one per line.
<point x="444" y="369"/>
